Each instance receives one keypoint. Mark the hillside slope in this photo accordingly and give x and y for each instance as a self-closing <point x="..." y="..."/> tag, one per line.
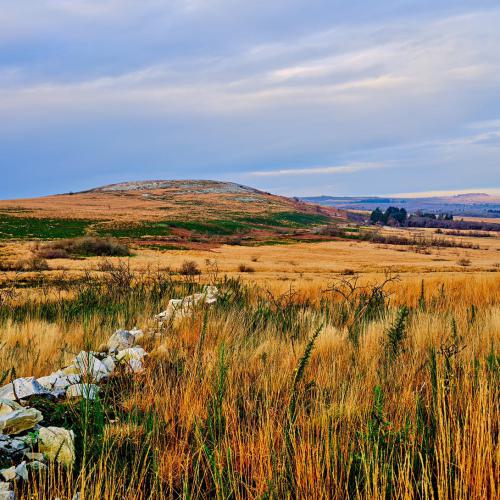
<point x="160" y="208"/>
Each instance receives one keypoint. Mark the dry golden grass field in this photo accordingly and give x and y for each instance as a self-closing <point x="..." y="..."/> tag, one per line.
<point x="328" y="369"/>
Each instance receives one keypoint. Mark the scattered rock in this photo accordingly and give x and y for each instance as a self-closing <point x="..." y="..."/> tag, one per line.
<point x="57" y="444"/>
<point x="15" y="472"/>
<point x="37" y="466"/>
<point x="19" y="419"/>
<point x="86" y="391"/>
<point x="8" y="474"/>
<point x="137" y="353"/>
<point x="5" y="492"/>
<point x="136" y="366"/>
<point x="58" y="382"/>
<point x="109" y="363"/>
<point x="121" y="339"/>
<point x="180" y="308"/>
<point x="22" y="388"/>
<point x="71" y="370"/>
<point x="132" y="357"/>
<point x="91" y="367"/>
<point x="31" y="455"/>
<point x="12" y="448"/>
<point x="211" y="294"/>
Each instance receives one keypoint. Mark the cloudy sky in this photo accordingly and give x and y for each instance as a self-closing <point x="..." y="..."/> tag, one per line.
<point x="299" y="97"/>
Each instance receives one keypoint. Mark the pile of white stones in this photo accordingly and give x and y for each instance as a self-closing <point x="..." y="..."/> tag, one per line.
<point x="20" y="429"/>
<point x="181" y="308"/>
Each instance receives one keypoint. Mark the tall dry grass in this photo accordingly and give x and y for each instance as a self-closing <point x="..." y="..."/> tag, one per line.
<point x="223" y="413"/>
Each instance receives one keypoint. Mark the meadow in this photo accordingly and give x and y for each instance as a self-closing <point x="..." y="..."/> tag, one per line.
<point x="322" y="372"/>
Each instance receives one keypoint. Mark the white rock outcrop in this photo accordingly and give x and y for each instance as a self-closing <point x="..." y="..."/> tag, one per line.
<point x="15" y="419"/>
<point x="5" y="491"/>
<point x="132" y="358"/>
<point x="122" y="339"/>
<point x="85" y="391"/>
<point x="181" y="308"/>
<point x="57" y="444"/>
<point x="78" y="380"/>
<point x="22" y="388"/>
<point x="15" y="472"/>
<point x="58" y="382"/>
<point x="91" y="367"/>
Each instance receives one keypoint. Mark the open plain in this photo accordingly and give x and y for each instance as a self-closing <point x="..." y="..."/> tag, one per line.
<point x="329" y="365"/>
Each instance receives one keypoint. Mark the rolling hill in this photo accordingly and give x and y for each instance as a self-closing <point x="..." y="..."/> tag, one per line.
<point x="164" y="210"/>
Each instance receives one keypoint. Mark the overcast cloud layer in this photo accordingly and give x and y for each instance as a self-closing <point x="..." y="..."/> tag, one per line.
<point x="299" y="97"/>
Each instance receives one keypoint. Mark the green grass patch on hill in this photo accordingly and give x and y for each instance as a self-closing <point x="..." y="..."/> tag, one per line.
<point x="142" y="230"/>
<point x="213" y="227"/>
<point x="243" y="224"/>
<point x="288" y="219"/>
<point x="51" y="228"/>
<point x="44" y="229"/>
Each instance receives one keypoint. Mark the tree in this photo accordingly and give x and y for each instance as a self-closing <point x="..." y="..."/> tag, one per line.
<point x="377" y="216"/>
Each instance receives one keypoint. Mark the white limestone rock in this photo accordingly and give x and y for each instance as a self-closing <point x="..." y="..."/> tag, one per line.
<point x="15" y="473"/>
<point x="122" y="339"/>
<point x="109" y="363"/>
<point x="126" y="355"/>
<point x="58" y="382"/>
<point x="136" y="366"/>
<point x="57" y="444"/>
<point x="5" y="492"/>
<point x="181" y="308"/>
<point x="132" y="358"/>
<point x="90" y="367"/>
<point x="37" y="466"/>
<point x="15" y="419"/>
<point x="23" y="388"/>
<point x="12" y="448"/>
<point x="86" y="391"/>
<point x="211" y="294"/>
<point x="31" y="455"/>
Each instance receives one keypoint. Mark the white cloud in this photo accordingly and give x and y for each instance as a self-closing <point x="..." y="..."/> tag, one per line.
<point x="336" y="169"/>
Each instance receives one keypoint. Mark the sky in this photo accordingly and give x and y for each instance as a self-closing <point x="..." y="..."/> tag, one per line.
<point x="296" y="97"/>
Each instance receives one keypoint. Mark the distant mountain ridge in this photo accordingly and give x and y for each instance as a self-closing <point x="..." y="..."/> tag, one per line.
<point x="466" y="204"/>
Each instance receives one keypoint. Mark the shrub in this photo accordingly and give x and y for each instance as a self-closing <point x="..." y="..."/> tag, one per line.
<point x="348" y="272"/>
<point x="35" y="263"/>
<point x="85" y="247"/>
<point x="105" y="247"/>
<point x="464" y="262"/>
<point x="189" y="268"/>
<point x="243" y="268"/>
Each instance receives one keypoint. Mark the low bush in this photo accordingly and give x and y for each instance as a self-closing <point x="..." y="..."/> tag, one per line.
<point x="189" y="268"/>
<point x="243" y="268"/>
<point x="83" y="247"/>
<point x="34" y="263"/>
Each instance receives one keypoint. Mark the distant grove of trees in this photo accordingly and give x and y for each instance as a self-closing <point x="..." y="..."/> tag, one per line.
<point x="395" y="216"/>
